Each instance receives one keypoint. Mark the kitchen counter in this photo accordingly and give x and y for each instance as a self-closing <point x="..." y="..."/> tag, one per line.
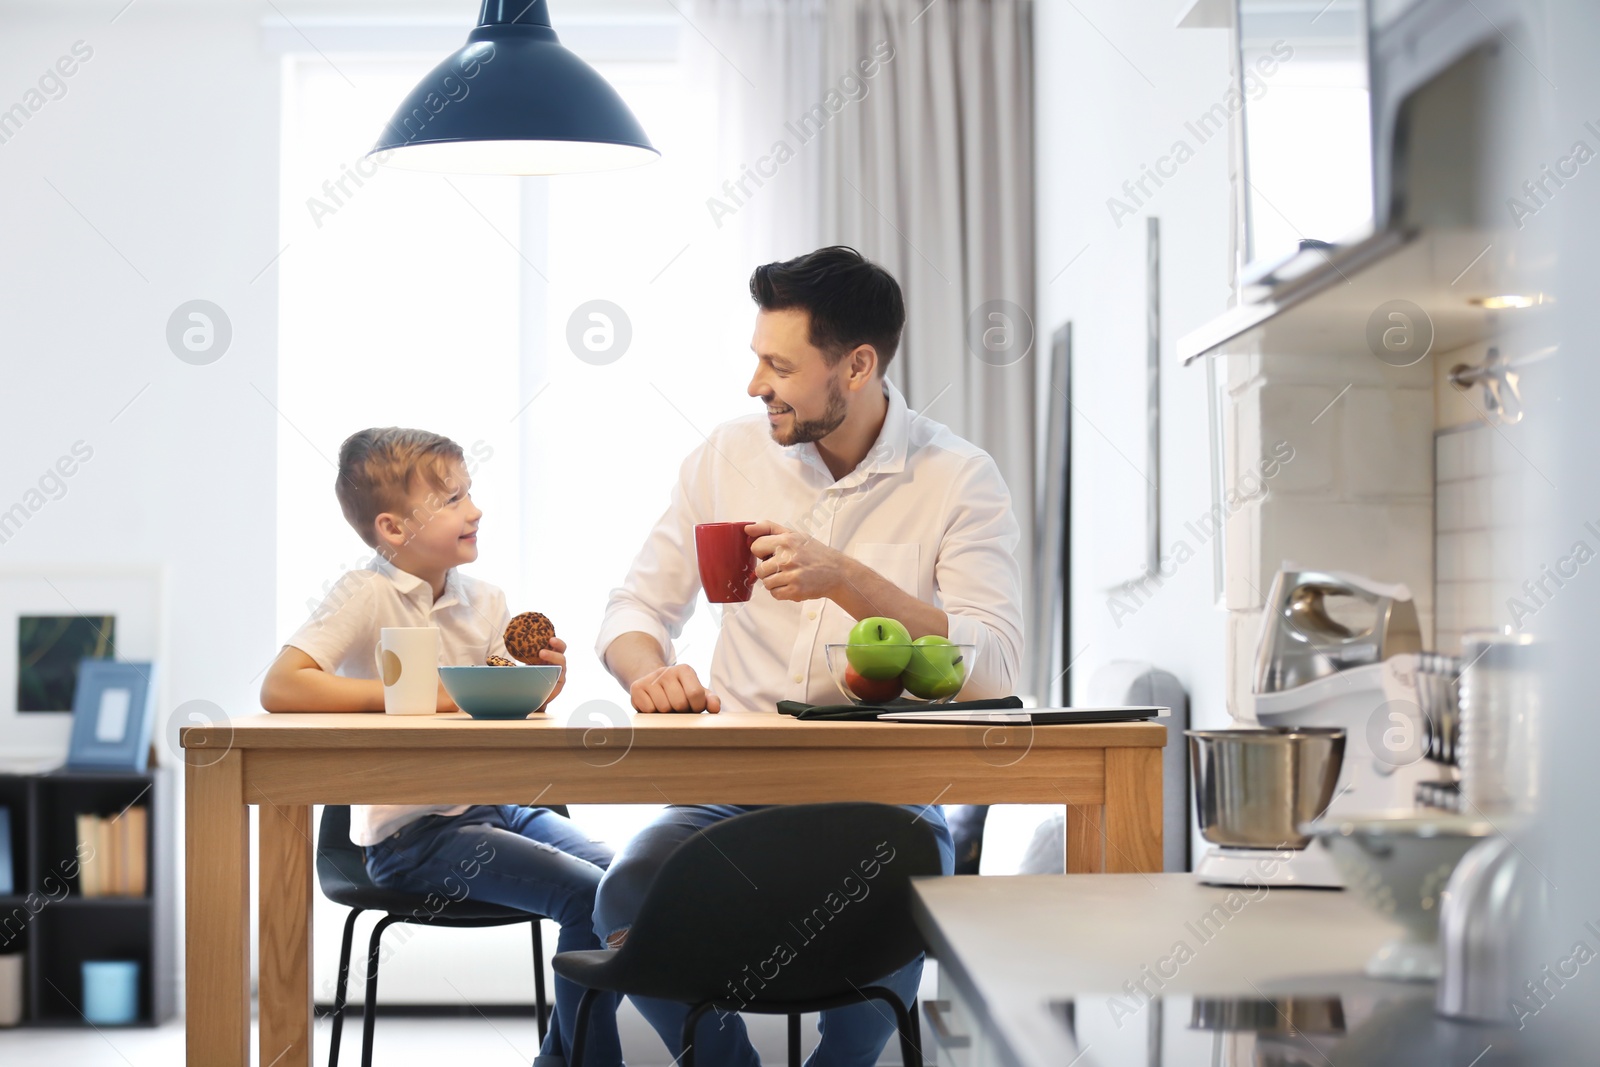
<point x="1058" y="970"/>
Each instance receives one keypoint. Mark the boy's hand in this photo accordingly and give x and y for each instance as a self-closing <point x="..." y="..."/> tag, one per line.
<point x="555" y="655"/>
<point x="445" y="703"/>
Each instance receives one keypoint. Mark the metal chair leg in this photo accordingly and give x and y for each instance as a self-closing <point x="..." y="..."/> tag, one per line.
<point x="341" y="988"/>
<point x="910" y="1044"/>
<point x="688" y="1031"/>
<point x="541" y="1007"/>
<point x="794" y="1039"/>
<point x="915" y="1015"/>
<point x="580" y="1038"/>
<point x="369" y="1014"/>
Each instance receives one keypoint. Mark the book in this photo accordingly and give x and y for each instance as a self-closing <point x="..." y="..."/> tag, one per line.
<point x="138" y="851"/>
<point x="116" y="854"/>
<point x="88" y="857"/>
<point x="112" y="829"/>
<point x="8" y="884"/>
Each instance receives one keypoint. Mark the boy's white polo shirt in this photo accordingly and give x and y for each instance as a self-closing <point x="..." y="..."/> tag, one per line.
<point x="344" y="630"/>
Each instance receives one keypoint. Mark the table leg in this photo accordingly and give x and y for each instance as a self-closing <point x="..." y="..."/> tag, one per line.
<point x="1133" y="810"/>
<point x="217" y="883"/>
<point x="285" y="984"/>
<point x="1086" y="836"/>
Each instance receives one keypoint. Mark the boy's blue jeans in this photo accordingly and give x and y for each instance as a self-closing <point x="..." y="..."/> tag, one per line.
<point x="527" y="858"/>
<point x="851" y="1037"/>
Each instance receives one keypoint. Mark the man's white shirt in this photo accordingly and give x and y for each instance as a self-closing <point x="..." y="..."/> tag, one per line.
<point x="925" y="509"/>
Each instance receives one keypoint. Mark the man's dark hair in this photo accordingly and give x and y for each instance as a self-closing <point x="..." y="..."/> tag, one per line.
<point x="851" y="300"/>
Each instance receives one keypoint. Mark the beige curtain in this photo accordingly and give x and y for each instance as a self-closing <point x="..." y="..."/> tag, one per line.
<point x="909" y="129"/>
<point x="933" y="178"/>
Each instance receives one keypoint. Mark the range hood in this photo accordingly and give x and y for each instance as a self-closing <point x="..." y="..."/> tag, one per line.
<point x="1445" y="255"/>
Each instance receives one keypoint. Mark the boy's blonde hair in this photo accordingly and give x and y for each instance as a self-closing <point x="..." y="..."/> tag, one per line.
<point x="377" y="468"/>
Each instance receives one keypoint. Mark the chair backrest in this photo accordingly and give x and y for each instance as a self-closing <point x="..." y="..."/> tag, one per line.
<point x="789" y="903"/>
<point x="341" y="865"/>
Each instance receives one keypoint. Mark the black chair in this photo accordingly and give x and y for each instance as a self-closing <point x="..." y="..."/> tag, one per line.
<point x="342" y="873"/>
<point x="829" y="882"/>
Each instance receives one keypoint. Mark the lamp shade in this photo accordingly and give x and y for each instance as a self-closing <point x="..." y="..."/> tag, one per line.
<point x="513" y="100"/>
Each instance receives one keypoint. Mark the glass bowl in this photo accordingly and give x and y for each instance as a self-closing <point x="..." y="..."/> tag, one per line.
<point x="912" y="675"/>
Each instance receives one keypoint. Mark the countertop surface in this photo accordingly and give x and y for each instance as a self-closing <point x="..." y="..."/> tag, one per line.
<point x="1106" y="969"/>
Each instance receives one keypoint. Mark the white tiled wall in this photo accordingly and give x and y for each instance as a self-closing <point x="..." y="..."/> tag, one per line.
<point x="1358" y="495"/>
<point x="1480" y="487"/>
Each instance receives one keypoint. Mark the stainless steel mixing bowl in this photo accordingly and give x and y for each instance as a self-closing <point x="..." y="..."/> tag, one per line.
<point x="1253" y="788"/>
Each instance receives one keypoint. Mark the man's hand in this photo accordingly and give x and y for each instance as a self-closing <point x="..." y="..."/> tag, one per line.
<point x="445" y="703"/>
<point x="795" y="567"/>
<point x="674" y="688"/>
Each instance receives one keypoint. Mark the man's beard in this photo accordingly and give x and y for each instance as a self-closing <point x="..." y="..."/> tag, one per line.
<point x="806" y="430"/>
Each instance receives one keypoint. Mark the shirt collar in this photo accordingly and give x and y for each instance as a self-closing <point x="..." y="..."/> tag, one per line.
<point x="410" y="586"/>
<point x="887" y="454"/>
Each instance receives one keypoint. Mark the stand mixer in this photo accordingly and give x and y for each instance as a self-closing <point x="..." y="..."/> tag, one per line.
<point x="1318" y="670"/>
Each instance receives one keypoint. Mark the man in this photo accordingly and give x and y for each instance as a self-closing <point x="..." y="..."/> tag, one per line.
<point x="860" y="508"/>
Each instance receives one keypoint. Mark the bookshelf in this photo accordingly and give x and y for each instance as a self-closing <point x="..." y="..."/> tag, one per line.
<point x="48" y="918"/>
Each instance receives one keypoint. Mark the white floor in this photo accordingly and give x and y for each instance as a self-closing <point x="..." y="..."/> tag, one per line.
<point x="401" y="1042"/>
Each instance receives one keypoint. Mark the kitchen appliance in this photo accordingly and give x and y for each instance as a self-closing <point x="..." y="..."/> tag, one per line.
<point x="1314" y="627"/>
<point x="1253" y="788"/>
<point x="1495" y="895"/>
<point x="1499" y="744"/>
<point x="1438" y="685"/>
<point x="1338" y="652"/>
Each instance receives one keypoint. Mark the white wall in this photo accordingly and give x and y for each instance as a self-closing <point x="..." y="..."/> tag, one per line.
<point x="1116" y="84"/>
<point x="150" y="182"/>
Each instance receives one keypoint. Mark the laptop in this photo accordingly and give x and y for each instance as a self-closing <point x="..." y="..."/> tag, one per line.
<point x="1030" y="716"/>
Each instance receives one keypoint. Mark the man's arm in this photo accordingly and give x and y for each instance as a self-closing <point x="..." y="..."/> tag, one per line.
<point x="635" y="659"/>
<point x="863" y="592"/>
<point x="794" y="566"/>
<point x="976" y="578"/>
<point x="649" y="609"/>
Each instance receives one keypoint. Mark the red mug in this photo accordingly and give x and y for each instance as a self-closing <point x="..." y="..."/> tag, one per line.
<point x="727" y="565"/>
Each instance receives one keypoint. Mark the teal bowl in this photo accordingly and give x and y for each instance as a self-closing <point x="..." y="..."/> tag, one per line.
<point x="500" y="692"/>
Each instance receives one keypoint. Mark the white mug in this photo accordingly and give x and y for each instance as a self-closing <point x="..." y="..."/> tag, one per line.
<point x="407" y="658"/>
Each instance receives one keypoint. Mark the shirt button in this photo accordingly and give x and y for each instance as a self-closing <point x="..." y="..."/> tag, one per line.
<point x="811" y="614"/>
<point x="799" y="678"/>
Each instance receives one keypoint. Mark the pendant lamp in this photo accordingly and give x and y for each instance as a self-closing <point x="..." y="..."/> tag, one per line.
<point x="513" y="100"/>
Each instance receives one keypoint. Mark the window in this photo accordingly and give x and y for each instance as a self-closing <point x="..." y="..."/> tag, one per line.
<point x="445" y="302"/>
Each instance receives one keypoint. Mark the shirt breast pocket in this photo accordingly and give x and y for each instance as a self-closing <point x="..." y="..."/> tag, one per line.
<point x="897" y="563"/>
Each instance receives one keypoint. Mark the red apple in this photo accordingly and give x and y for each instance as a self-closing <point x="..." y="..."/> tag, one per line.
<point x="872" y="690"/>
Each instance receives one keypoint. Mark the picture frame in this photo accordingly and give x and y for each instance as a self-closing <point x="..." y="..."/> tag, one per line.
<point x="134" y="595"/>
<point x="112" y="716"/>
<point x="1052" y="545"/>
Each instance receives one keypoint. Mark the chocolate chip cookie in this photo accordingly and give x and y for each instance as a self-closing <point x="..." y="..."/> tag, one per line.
<point x="529" y="634"/>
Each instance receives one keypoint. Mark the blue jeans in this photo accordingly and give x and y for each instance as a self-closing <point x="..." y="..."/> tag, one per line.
<point x="850" y="1037"/>
<point x="527" y="858"/>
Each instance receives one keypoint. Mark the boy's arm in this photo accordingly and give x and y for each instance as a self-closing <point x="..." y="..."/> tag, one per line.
<point x="294" y="682"/>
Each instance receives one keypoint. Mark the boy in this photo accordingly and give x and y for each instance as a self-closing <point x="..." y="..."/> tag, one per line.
<point x="408" y="495"/>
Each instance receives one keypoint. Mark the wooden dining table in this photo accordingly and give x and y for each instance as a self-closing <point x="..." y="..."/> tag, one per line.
<point x="1108" y="777"/>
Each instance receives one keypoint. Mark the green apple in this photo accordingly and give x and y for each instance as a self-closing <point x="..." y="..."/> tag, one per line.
<point x="936" y="669"/>
<point x="879" y="648"/>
